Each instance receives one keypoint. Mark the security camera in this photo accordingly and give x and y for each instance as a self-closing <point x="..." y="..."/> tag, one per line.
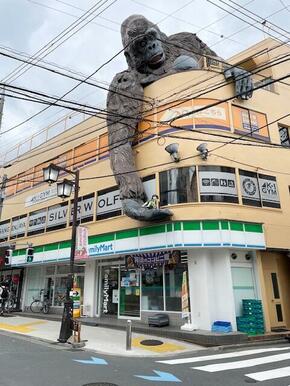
<point x="234" y="256"/>
<point x="202" y="148"/>
<point x="248" y="256"/>
<point x="172" y="149"/>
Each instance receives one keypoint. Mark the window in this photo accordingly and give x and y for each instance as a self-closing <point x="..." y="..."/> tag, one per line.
<point x="85" y="208"/>
<point x="259" y="189"/>
<point x="178" y="186"/>
<point x="57" y="216"/>
<point x="217" y="184"/>
<point x="173" y="287"/>
<point x="24" y="180"/>
<point x="108" y="203"/>
<point x="36" y="222"/>
<point x="152" y="289"/>
<point x="4" y="230"/>
<point x="249" y="122"/>
<point x="18" y="227"/>
<point x="284" y="135"/>
<point x="10" y="186"/>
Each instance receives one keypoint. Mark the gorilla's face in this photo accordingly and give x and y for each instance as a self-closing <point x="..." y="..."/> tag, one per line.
<point x="148" y="50"/>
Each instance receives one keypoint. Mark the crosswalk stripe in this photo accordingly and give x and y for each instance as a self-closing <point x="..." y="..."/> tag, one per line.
<point x="270" y="374"/>
<point x="242" y="364"/>
<point x="221" y="356"/>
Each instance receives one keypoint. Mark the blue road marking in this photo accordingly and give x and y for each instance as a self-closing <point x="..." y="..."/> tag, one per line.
<point x="160" y="377"/>
<point x="92" y="361"/>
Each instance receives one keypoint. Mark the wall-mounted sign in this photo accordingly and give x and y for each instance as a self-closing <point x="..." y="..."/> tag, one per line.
<point x="18" y="226"/>
<point x="210" y="113"/>
<point x="215" y="180"/>
<point x="57" y="215"/>
<point x="37" y="220"/>
<point x="37" y="198"/>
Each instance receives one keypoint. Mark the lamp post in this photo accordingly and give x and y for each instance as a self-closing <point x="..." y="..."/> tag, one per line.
<point x="64" y="189"/>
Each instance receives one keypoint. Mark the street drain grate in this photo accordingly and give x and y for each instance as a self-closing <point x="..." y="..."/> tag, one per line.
<point x="100" y="384"/>
<point x="151" y="342"/>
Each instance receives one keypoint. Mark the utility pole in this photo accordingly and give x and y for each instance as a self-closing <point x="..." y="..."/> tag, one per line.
<point x="1" y="106"/>
<point x="2" y="192"/>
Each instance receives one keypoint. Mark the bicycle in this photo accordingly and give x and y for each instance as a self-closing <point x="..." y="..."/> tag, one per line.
<point x="40" y="304"/>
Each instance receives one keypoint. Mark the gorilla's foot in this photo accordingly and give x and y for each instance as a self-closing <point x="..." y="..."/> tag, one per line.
<point x="133" y="208"/>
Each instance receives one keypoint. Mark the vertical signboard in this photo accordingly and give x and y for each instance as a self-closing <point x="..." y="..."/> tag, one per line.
<point x="82" y="243"/>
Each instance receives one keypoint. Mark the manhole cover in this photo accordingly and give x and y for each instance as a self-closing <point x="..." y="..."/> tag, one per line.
<point x="100" y="384"/>
<point x="151" y="342"/>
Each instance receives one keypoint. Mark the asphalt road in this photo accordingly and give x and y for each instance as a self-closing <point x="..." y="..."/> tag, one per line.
<point x="25" y="362"/>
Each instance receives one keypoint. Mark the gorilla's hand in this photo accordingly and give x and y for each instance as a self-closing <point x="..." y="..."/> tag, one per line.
<point x="243" y="82"/>
<point x="134" y="209"/>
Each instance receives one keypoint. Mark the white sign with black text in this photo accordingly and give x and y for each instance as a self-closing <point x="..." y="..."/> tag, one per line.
<point x="217" y="182"/>
<point x="37" y="198"/>
<point x="269" y="189"/>
<point x="37" y="220"/>
<point x="18" y="227"/>
<point x="249" y="187"/>
<point x="57" y="215"/>
<point x="85" y="208"/>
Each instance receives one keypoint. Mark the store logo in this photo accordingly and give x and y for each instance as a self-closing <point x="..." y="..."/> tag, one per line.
<point x="269" y="188"/>
<point x="106" y="293"/>
<point x="249" y="186"/>
<point x="101" y="248"/>
<point x="223" y="182"/>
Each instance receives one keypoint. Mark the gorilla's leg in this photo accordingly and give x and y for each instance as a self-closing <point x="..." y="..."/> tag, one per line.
<point x="123" y="165"/>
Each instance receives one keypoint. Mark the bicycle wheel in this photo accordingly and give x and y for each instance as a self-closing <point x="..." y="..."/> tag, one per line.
<point x="45" y="308"/>
<point x="36" y="306"/>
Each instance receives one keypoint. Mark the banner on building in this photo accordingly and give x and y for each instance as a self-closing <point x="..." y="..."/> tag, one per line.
<point x="152" y="259"/>
<point x="45" y="195"/>
<point x="82" y="243"/>
<point x="4" y="230"/>
<point x="57" y="215"/>
<point x="269" y="191"/>
<point x="37" y="220"/>
<point x="18" y="226"/>
<point x="184" y="296"/>
<point x="85" y="208"/>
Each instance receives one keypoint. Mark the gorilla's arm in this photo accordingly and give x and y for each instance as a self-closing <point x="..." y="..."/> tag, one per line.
<point x="186" y="44"/>
<point x="124" y="114"/>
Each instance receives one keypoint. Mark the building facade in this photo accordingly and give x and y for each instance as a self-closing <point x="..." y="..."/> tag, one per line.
<point x="230" y="228"/>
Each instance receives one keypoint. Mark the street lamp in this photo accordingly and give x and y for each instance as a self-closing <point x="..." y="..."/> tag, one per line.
<point x="64" y="190"/>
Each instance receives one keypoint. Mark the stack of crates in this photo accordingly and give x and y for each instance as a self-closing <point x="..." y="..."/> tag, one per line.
<point x="252" y="321"/>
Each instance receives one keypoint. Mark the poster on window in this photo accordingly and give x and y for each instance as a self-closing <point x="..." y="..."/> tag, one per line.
<point x="153" y="259"/>
<point x="269" y="191"/>
<point x="213" y="182"/>
<point x="4" y="230"/>
<point x="85" y="208"/>
<point x="250" y="188"/>
<point x="184" y="296"/>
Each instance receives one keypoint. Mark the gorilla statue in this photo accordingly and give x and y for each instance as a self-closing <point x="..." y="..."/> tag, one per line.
<point x="150" y="55"/>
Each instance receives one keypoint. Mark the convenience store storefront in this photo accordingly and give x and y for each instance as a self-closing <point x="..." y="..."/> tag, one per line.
<point x="132" y="273"/>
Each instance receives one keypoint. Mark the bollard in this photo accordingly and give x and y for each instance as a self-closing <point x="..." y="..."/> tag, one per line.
<point x="129" y="335"/>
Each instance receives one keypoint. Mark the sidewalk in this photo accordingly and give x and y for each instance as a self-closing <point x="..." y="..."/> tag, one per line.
<point x="104" y="340"/>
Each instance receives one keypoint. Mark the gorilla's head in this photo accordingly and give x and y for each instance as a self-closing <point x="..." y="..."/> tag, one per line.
<point x="142" y="42"/>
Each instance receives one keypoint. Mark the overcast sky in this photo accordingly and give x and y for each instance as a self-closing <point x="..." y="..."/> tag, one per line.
<point x="28" y="25"/>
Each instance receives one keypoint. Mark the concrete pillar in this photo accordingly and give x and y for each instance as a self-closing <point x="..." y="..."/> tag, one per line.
<point x="89" y="299"/>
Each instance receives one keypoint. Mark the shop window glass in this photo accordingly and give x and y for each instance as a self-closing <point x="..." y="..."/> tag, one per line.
<point x="50" y="270"/>
<point x="243" y="286"/>
<point x="152" y="289"/>
<point x="18" y="227"/>
<point x="36" y="222"/>
<point x="60" y="290"/>
<point x="4" y="230"/>
<point x="57" y="216"/>
<point x="173" y="285"/>
<point x="284" y="135"/>
<point x="178" y="186"/>
<point x="85" y="209"/>
<point x="108" y="203"/>
<point x="217" y="184"/>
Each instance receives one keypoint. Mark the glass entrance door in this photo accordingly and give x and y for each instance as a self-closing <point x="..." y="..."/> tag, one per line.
<point x="129" y="293"/>
<point x="109" y="291"/>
